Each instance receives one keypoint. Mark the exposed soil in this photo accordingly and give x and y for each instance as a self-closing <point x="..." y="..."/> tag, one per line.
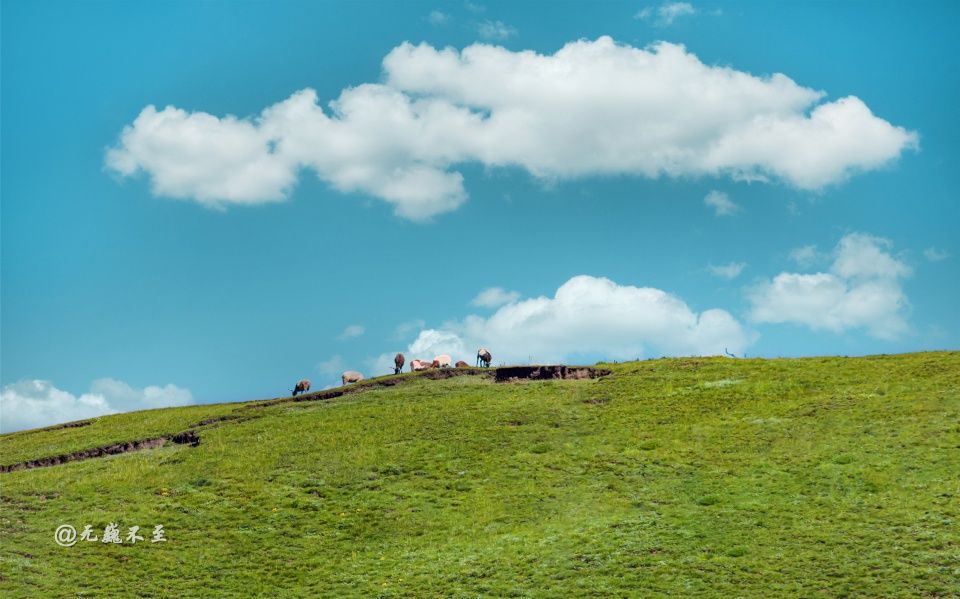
<point x="224" y="418"/>
<point x="539" y="373"/>
<point x="76" y="424"/>
<point x="57" y="427"/>
<point x="190" y="438"/>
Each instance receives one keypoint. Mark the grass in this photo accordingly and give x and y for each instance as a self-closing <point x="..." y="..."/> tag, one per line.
<point x="678" y="477"/>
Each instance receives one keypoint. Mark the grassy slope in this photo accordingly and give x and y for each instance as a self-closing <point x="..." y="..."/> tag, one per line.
<point x="835" y="476"/>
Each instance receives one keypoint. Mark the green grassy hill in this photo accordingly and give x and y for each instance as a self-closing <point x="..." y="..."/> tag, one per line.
<point x="677" y="477"/>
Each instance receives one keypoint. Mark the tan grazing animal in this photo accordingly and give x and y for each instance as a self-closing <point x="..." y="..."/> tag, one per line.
<point x="351" y="376"/>
<point x="418" y="365"/>
<point x="462" y="364"/>
<point x="442" y="361"/>
<point x="398" y="363"/>
<point x="484" y="357"/>
<point x="302" y="387"/>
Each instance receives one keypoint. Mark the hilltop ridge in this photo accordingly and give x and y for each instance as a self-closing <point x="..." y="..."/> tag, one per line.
<point x="686" y="476"/>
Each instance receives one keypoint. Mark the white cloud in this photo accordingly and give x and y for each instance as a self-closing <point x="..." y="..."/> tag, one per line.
<point x="352" y="331"/>
<point x="862" y="290"/>
<point x="665" y="14"/>
<point x="125" y="398"/>
<point x="721" y="203"/>
<point x="361" y="148"/>
<point x="805" y="256"/>
<point x="859" y="256"/>
<point x="437" y="17"/>
<point x="405" y="328"/>
<point x="494" y="297"/>
<point x="587" y="316"/>
<point x="728" y="271"/>
<point x="495" y="30"/>
<point x="201" y="157"/>
<point x="331" y="367"/>
<point x="37" y="403"/>
<point x="33" y="404"/>
<point x="591" y="108"/>
<point x="474" y="7"/>
<point x="430" y="343"/>
<point x="934" y="255"/>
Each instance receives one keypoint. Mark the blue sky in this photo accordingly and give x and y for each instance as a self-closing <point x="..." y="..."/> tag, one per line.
<point x="557" y="152"/>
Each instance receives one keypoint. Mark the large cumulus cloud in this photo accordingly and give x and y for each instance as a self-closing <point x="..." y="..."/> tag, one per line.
<point x="587" y="317"/>
<point x="591" y="108"/>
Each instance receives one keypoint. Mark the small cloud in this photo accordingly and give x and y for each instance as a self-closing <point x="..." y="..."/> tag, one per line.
<point x="495" y="297"/>
<point x="935" y="255"/>
<point x="125" y="398"/>
<point x="351" y="331"/>
<point x="438" y="18"/>
<point x="805" y="256"/>
<point x="721" y="203"/>
<point x="495" y="30"/>
<point x="331" y="367"/>
<point x="474" y="7"/>
<point x="665" y="14"/>
<point x="861" y="290"/>
<point x="728" y="271"/>
<point x="405" y="328"/>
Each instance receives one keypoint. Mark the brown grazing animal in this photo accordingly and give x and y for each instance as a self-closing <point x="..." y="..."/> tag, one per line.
<point x="302" y="387"/>
<point x="442" y="361"/>
<point x="418" y="365"/>
<point x="462" y="364"/>
<point x="398" y="361"/>
<point x="483" y="357"/>
<point x="351" y="376"/>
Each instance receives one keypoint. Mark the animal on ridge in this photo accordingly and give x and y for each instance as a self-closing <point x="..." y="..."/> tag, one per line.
<point x="351" y="376"/>
<point x="484" y="357"/>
